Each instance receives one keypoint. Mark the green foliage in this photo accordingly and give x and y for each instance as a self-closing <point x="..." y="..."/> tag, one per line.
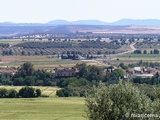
<point x="29" y="92"/>
<point x="3" y="93"/>
<point x="28" y="76"/>
<point x="90" y="72"/>
<point x="123" y="66"/>
<point x="73" y="87"/>
<point x="112" y="102"/>
<point x="18" y="81"/>
<point x="26" y="69"/>
<point x="12" y="93"/>
<point x="38" y="93"/>
<point x="137" y="52"/>
<point x="120" y="72"/>
<point x="146" y="64"/>
<point x="82" y="44"/>
<point x="65" y="92"/>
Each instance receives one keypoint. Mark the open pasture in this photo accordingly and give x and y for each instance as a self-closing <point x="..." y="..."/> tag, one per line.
<point x="42" y="109"/>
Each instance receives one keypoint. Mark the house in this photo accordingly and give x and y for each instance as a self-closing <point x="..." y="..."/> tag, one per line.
<point x="65" y="71"/>
<point x="144" y="75"/>
<point x="9" y="71"/>
<point x="142" y="72"/>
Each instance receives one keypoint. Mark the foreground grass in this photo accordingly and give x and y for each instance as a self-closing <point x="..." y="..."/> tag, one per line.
<point x="42" y="109"/>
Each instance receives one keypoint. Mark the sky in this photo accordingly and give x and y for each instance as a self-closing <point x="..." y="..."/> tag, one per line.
<point x="42" y="11"/>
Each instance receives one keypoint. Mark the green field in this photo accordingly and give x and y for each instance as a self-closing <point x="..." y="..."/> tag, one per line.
<point x="42" y="109"/>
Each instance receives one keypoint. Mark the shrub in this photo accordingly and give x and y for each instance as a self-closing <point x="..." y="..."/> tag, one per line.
<point x="12" y="93"/>
<point x="27" y="92"/>
<point x="3" y="93"/>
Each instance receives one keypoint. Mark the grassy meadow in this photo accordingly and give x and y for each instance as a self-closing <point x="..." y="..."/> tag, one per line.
<point x="42" y="109"/>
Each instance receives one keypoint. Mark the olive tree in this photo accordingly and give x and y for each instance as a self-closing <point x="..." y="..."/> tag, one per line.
<point x="118" y="102"/>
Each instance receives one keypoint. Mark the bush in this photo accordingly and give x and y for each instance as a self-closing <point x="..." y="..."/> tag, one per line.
<point x="65" y="92"/>
<point x="12" y="93"/>
<point x="38" y="92"/>
<point x="29" y="92"/>
<point x="3" y="93"/>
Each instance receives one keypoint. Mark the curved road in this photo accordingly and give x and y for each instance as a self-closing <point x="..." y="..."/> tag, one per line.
<point x="130" y="51"/>
<point x="100" y="61"/>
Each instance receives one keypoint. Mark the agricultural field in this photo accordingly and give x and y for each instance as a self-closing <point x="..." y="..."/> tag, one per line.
<point x="42" y="109"/>
<point x="55" y="47"/>
<point x="40" y="62"/>
<point x="134" y="58"/>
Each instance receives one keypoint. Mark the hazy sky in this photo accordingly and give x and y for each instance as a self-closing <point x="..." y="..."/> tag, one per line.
<point x="41" y="11"/>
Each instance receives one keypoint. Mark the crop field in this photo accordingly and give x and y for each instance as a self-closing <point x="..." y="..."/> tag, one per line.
<point x="42" y="109"/>
<point x="40" y="62"/>
<point x="134" y="58"/>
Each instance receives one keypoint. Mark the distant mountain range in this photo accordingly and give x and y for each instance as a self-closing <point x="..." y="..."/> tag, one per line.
<point x="123" y="22"/>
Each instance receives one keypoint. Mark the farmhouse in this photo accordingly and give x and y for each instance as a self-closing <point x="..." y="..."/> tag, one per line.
<point x="65" y="71"/>
<point x="9" y="71"/>
<point x="144" y="75"/>
<point x="142" y="72"/>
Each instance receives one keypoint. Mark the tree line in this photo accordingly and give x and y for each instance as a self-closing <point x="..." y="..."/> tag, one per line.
<point x="24" y="92"/>
<point x="82" y="44"/>
<point x="87" y="77"/>
<point x="26" y="75"/>
<point x="155" y="51"/>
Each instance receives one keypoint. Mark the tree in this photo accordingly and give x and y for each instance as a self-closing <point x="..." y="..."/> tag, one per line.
<point x="155" y="51"/>
<point x="3" y="92"/>
<point x="27" y="92"/>
<point x="38" y="93"/>
<point x="114" y="102"/>
<point x="145" y="52"/>
<point x="120" y="72"/>
<point x="137" y="52"/>
<point x="18" y="81"/>
<point x="12" y="93"/>
<point x="29" y="80"/>
<point x="26" y="69"/>
<point x="122" y="65"/>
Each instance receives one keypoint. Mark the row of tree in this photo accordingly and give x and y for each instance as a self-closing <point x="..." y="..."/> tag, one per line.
<point x="25" y="92"/>
<point x="82" y="44"/>
<point x="155" y="51"/>
<point x="28" y="76"/>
